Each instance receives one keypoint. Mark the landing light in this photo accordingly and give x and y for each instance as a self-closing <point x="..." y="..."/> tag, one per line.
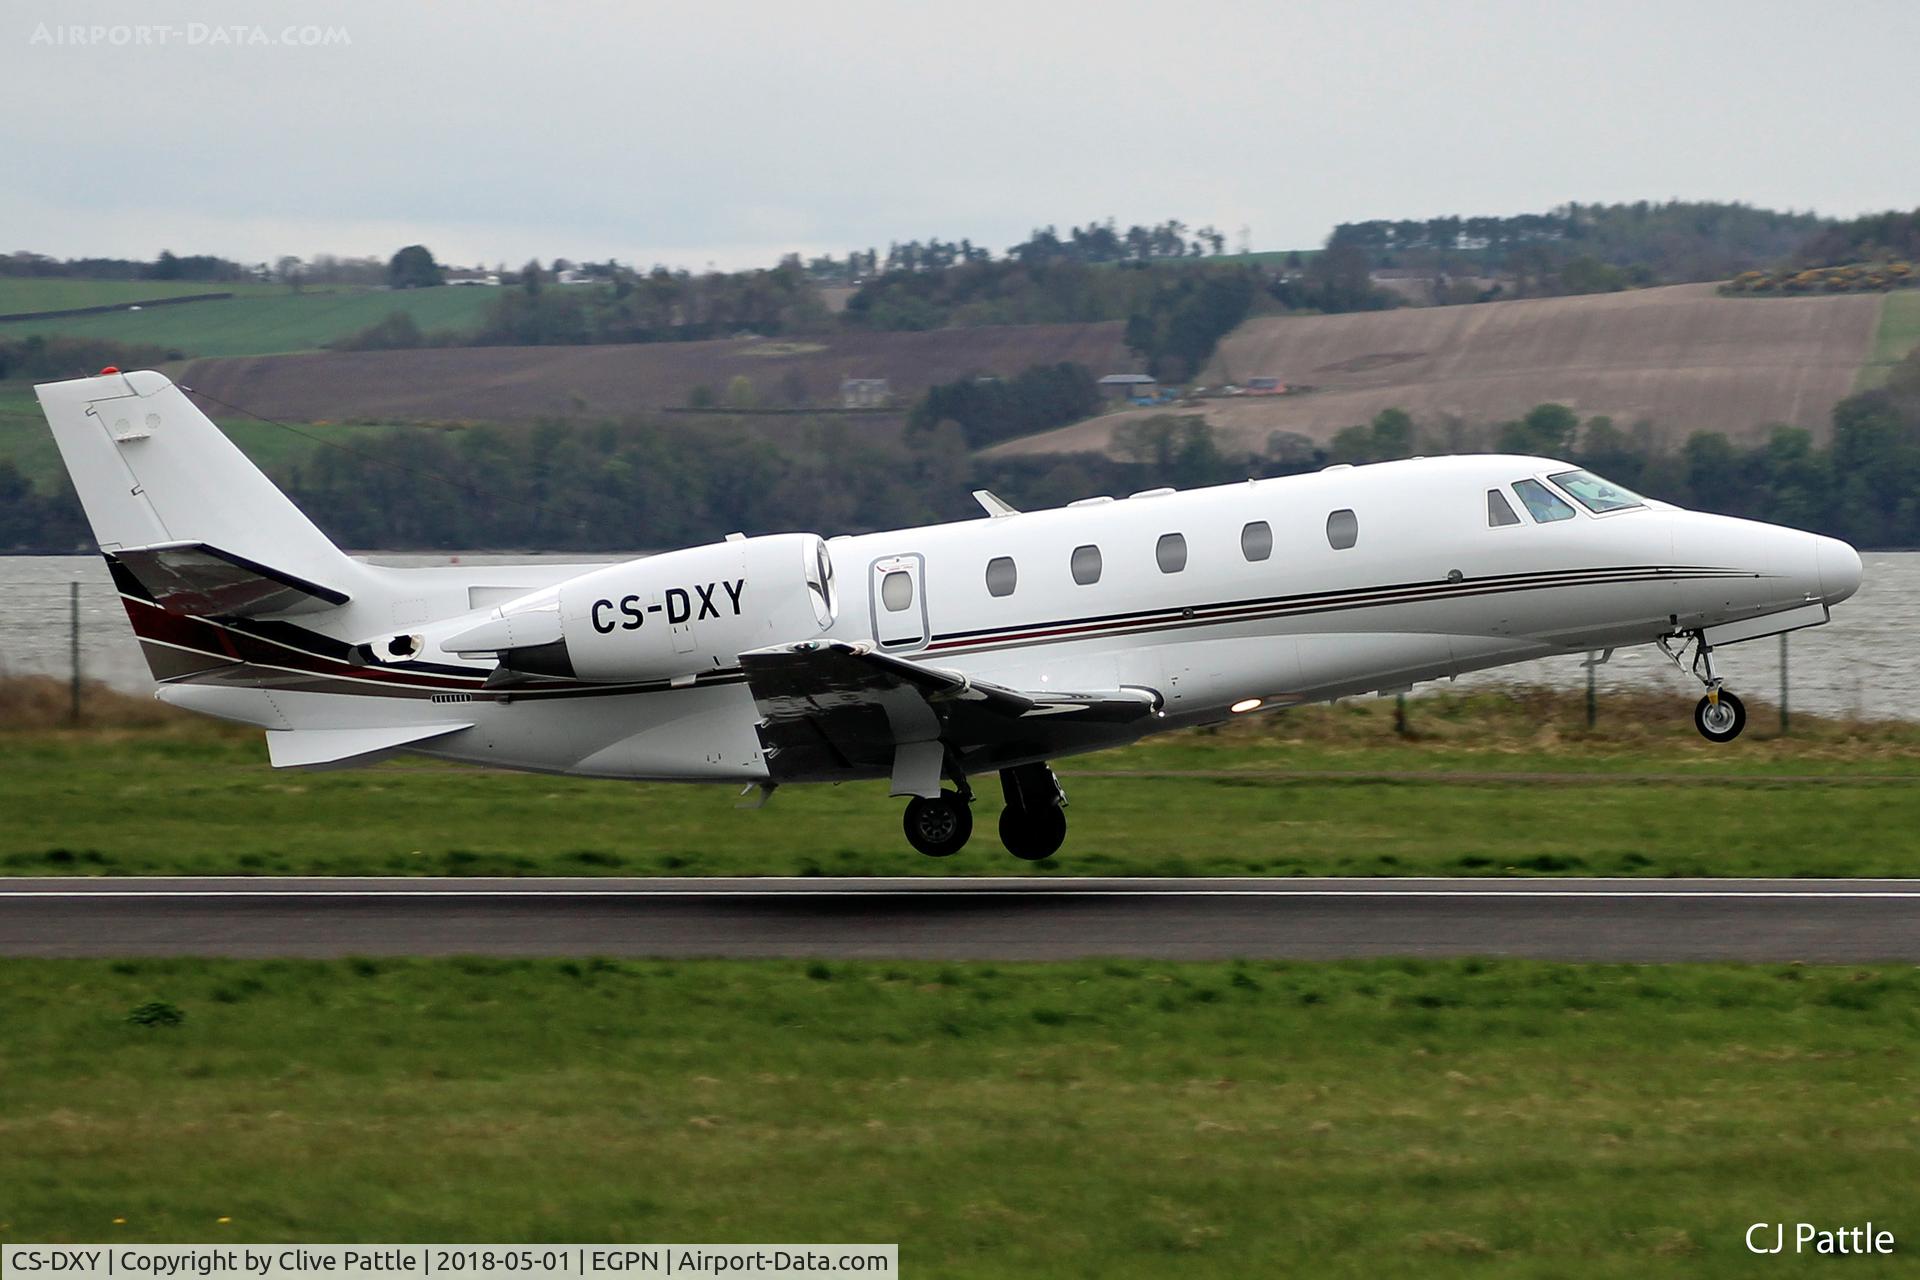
<point x="1247" y="704"/>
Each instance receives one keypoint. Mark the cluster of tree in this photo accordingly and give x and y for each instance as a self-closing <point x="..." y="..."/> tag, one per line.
<point x="1185" y="318"/>
<point x="1669" y="242"/>
<point x="168" y="266"/>
<point x="1105" y="242"/>
<point x="660" y="306"/>
<point x="988" y="410"/>
<point x="414" y="268"/>
<point x="48" y="358"/>
<point x="1876" y="237"/>
<point x="1097" y="242"/>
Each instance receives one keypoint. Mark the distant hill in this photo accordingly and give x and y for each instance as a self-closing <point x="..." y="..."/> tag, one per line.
<point x="1680" y="356"/>
<point x="519" y="384"/>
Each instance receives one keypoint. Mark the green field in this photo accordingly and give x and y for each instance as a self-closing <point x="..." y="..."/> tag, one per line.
<point x="1899" y="333"/>
<point x="22" y="293"/>
<point x="1484" y="1118"/>
<point x="1494" y="785"/>
<point x="272" y="322"/>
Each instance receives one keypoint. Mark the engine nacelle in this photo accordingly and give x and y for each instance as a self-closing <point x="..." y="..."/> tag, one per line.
<point x="664" y="617"/>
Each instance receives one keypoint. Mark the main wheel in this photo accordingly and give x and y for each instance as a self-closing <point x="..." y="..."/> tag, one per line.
<point x="1721" y="720"/>
<point x="938" y="827"/>
<point x="1033" y="832"/>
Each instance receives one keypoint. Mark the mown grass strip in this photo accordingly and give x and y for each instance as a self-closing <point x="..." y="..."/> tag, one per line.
<point x="1354" y="1119"/>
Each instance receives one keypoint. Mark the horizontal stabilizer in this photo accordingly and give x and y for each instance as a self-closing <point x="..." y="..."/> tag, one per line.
<point x="305" y="748"/>
<point x="206" y="582"/>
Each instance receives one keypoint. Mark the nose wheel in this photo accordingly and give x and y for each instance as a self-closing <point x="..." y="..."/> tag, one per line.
<point x="1720" y="716"/>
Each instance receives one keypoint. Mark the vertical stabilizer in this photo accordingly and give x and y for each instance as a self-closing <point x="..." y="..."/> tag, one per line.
<point x="152" y="471"/>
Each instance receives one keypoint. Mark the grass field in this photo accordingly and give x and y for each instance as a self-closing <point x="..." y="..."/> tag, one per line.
<point x="1898" y="334"/>
<point x="21" y="293"/>
<point x="273" y="321"/>
<point x="1142" y="1119"/>
<point x="1493" y="785"/>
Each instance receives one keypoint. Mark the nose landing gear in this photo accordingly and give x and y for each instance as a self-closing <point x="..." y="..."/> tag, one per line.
<point x="1720" y="715"/>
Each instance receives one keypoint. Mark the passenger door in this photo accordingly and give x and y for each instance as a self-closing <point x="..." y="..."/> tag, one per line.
<point x="897" y="600"/>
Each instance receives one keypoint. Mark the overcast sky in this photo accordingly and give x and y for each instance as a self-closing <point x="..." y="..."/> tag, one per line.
<point x="731" y="132"/>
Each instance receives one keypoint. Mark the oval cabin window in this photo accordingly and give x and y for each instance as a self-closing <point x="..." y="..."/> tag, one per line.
<point x="1256" y="540"/>
<point x="896" y="591"/>
<point x="1001" y="576"/>
<point x="1086" y="565"/>
<point x="1343" y="530"/>
<point x="1171" y="552"/>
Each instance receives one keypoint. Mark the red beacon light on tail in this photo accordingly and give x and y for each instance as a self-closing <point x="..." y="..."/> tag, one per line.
<point x="112" y="368"/>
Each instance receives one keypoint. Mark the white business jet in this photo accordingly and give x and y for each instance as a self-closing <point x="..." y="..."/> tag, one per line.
<point x="924" y="656"/>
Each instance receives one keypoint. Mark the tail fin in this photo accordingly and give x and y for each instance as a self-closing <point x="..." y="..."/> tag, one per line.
<point x="176" y="505"/>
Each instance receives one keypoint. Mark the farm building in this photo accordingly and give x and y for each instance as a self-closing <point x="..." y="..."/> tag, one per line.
<point x="865" y="393"/>
<point x="1129" y="386"/>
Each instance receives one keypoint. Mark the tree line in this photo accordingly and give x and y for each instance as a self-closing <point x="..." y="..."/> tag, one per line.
<point x="644" y="483"/>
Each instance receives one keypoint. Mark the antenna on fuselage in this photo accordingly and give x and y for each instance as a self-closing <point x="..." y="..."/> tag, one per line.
<point x="995" y="507"/>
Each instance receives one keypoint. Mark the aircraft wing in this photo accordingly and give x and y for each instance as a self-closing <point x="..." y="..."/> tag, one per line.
<point x="833" y="709"/>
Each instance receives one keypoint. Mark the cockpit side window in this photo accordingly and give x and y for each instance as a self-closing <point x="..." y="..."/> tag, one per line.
<point x="1499" y="510"/>
<point x="1542" y="503"/>
<point x="1595" y="494"/>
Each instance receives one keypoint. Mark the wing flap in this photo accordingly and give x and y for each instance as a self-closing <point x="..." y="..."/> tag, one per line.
<point x="831" y="708"/>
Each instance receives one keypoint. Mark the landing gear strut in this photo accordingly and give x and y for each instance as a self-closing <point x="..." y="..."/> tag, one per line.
<point x="1034" y="823"/>
<point x="1720" y="716"/>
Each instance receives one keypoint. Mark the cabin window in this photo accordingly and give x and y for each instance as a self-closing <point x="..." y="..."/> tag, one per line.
<point x="896" y="590"/>
<point x="1171" y="552"/>
<point x="1086" y="565"/>
<point x="1542" y="503"/>
<point x="1595" y="494"/>
<point x="1499" y="510"/>
<point x="1343" y="530"/>
<point x="1001" y="576"/>
<point x="1256" y="540"/>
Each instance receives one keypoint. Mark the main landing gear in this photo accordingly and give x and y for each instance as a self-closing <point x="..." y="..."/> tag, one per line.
<point x="1720" y="715"/>
<point x="1032" y="826"/>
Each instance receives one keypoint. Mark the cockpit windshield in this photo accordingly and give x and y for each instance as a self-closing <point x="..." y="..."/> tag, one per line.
<point x="1595" y="494"/>
<point x="1542" y="503"/>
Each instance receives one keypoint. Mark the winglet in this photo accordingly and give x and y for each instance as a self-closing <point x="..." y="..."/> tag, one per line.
<point x="995" y="507"/>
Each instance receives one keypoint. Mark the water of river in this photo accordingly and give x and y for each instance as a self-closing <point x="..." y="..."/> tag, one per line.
<point x="1865" y="662"/>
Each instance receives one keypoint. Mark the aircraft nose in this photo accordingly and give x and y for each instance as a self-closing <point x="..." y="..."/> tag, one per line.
<point x="1839" y="568"/>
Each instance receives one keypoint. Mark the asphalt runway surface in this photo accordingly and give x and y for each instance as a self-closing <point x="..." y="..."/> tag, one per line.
<point x="967" y="918"/>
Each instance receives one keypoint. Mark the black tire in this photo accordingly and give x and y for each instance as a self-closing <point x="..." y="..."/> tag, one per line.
<point x="1033" y="833"/>
<point x="938" y="828"/>
<point x="1722" y="723"/>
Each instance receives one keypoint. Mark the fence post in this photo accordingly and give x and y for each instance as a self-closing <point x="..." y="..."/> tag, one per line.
<point x="73" y="648"/>
<point x="1400" y="714"/>
<point x="1783" y="683"/>
<point x="1592" y="711"/>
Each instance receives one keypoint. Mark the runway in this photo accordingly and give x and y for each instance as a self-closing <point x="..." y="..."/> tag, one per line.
<point x="968" y="918"/>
